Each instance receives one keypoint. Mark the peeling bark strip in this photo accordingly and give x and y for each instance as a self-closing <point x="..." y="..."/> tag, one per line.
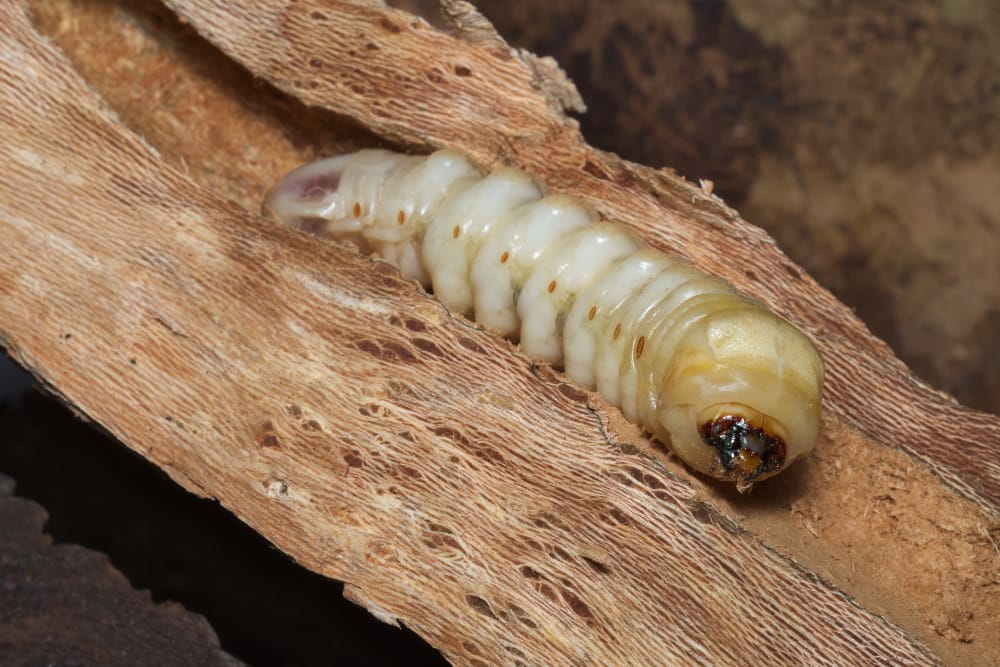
<point x="402" y="78"/>
<point x="275" y="373"/>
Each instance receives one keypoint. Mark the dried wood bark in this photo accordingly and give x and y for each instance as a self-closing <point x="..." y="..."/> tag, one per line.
<point x="497" y="510"/>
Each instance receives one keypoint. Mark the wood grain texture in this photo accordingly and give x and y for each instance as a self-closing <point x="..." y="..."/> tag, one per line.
<point x="479" y="498"/>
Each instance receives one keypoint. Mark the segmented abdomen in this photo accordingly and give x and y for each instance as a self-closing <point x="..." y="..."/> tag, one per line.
<point x="733" y="389"/>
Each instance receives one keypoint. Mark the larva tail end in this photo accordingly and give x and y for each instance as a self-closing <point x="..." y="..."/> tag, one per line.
<point x="306" y="197"/>
<point x="746" y="452"/>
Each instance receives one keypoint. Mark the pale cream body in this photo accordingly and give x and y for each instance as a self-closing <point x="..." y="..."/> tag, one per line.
<point x="671" y="346"/>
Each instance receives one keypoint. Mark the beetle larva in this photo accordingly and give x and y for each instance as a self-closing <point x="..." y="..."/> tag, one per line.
<point x="732" y="388"/>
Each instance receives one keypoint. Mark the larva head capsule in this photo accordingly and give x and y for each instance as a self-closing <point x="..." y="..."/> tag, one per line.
<point x="741" y="399"/>
<point x="750" y="445"/>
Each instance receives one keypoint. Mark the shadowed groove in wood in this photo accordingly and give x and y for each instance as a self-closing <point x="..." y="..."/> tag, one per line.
<point x="224" y="333"/>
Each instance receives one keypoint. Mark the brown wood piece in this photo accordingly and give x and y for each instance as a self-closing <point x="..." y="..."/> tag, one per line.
<point x="479" y="498"/>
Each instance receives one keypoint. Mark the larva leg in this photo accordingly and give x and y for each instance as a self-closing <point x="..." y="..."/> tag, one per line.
<point x="733" y="389"/>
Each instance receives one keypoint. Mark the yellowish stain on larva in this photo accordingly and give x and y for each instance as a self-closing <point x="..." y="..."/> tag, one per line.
<point x="357" y="209"/>
<point x="593" y="311"/>
<point x="618" y="331"/>
<point x="455" y="232"/>
<point x="552" y="287"/>
<point x="504" y="257"/>
<point x="639" y="345"/>
<point x="401" y="217"/>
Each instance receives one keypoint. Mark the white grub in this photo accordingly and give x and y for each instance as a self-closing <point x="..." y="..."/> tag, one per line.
<point x="730" y="387"/>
